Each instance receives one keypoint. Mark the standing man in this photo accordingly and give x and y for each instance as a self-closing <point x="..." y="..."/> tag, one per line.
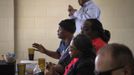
<point x="114" y="59"/>
<point x="88" y="10"/>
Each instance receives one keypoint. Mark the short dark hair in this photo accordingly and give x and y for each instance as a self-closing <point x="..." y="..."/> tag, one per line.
<point x="68" y="25"/>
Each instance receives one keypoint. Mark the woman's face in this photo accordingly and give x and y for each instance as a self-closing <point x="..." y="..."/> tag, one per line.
<point x="72" y="49"/>
<point x="86" y="29"/>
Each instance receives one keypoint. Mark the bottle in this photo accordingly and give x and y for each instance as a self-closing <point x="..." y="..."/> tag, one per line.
<point x="40" y="68"/>
<point x="38" y="71"/>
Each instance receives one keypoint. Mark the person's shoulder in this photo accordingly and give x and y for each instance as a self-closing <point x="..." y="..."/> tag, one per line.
<point x="85" y="67"/>
<point x="62" y="41"/>
<point x="85" y="62"/>
<point x="92" y="4"/>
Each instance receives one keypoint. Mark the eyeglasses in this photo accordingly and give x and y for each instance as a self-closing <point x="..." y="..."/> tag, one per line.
<point x="109" y="72"/>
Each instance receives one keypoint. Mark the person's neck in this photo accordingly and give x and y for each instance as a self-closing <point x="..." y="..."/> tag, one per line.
<point x="84" y="3"/>
<point x="68" y="39"/>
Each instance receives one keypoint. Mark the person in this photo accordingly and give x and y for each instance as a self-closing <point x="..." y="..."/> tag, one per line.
<point x="114" y="59"/>
<point x="88" y="10"/>
<point x="94" y="29"/>
<point x="65" y="33"/>
<point x="82" y="55"/>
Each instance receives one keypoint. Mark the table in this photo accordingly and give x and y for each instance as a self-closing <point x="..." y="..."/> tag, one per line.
<point x="30" y="65"/>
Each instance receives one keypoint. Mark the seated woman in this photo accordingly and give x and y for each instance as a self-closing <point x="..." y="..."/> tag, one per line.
<point x="99" y="36"/>
<point x="83" y="55"/>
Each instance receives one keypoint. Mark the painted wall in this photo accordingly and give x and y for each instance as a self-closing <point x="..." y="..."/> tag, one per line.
<point x="6" y="26"/>
<point x="37" y="21"/>
<point x="118" y="17"/>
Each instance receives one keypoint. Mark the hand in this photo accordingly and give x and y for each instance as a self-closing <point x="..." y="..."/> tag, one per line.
<point x="49" y="65"/>
<point x="39" y="47"/>
<point x="50" y="69"/>
<point x="55" y="69"/>
<point x="71" y="10"/>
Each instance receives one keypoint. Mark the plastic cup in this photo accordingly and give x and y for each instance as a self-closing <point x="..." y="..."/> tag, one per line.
<point x="31" y="53"/>
<point x="21" y="67"/>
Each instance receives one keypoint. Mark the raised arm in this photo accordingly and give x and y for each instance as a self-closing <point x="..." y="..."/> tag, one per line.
<point x="42" y="49"/>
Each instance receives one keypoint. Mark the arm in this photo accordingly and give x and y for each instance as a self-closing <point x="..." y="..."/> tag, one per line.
<point x="50" y="53"/>
<point x="71" y="11"/>
<point x="86" y="13"/>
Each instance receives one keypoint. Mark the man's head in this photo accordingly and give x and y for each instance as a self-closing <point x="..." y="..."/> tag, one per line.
<point x="66" y="28"/>
<point x="81" y="2"/>
<point x="114" y="59"/>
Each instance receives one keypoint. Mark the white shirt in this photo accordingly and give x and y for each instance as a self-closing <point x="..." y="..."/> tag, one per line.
<point x="88" y="11"/>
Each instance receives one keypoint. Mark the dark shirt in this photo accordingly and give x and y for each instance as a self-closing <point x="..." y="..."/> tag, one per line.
<point x="63" y="51"/>
<point x="84" y="66"/>
<point x="65" y="59"/>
